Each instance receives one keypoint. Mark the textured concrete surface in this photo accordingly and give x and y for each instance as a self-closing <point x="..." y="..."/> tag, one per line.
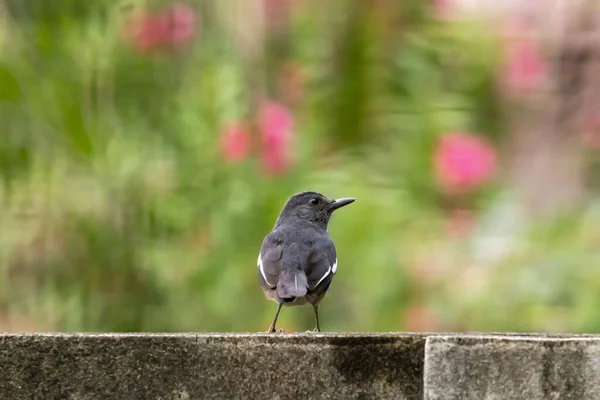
<point x="185" y="367"/>
<point x="299" y="366"/>
<point x="494" y="367"/>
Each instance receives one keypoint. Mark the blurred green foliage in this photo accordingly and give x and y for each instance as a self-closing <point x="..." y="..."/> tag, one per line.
<point x="119" y="213"/>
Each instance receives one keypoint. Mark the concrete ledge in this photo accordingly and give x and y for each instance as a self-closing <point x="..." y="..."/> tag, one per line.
<point x="299" y="366"/>
<point x="518" y="367"/>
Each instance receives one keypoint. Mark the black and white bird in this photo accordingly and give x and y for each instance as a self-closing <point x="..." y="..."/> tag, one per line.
<point x="297" y="260"/>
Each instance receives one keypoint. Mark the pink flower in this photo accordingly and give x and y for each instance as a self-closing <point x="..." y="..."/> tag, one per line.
<point x="462" y="162"/>
<point x="145" y="31"/>
<point x="235" y="143"/>
<point x="182" y="23"/>
<point x="167" y="29"/>
<point x="524" y="67"/>
<point x="275" y="124"/>
<point x="275" y="121"/>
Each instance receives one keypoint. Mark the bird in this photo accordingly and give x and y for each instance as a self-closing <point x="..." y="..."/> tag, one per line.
<point x="297" y="259"/>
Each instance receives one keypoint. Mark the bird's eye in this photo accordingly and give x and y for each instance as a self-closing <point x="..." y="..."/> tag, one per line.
<point x="314" y="202"/>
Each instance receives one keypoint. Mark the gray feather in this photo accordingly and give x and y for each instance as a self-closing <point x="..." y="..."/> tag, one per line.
<point x="292" y="283"/>
<point x="319" y="268"/>
<point x="270" y="261"/>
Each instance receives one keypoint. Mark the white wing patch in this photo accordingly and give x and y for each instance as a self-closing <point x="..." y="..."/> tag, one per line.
<point x="324" y="276"/>
<point x="262" y="271"/>
<point x="331" y="269"/>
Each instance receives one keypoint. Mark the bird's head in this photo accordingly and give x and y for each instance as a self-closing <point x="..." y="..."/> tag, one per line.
<point x="312" y="207"/>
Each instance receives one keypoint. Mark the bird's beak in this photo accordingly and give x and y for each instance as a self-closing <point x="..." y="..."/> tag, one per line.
<point x="339" y="203"/>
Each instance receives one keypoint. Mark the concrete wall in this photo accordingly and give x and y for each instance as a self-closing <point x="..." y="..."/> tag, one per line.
<point x="298" y="366"/>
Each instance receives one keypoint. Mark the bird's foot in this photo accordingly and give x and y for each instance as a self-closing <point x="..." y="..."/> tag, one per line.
<point x="272" y="330"/>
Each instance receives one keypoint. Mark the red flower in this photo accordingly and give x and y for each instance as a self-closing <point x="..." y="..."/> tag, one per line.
<point x="145" y="31"/>
<point x="167" y="29"/>
<point x="275" y="124"/>
<point x="462" y="162"/>
<point x="235" y="143"/>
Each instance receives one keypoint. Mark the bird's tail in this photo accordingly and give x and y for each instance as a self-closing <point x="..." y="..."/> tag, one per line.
<point x="292" y="281"/>
<point x="292" y="284"/>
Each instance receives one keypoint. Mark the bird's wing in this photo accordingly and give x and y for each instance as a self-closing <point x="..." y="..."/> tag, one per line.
<point x="321" y="267"/>
<point x="270" y="260"/>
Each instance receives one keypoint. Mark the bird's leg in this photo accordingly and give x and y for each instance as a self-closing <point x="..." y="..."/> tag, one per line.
<point x="317" y="328"/>
<point x="272" y="327"/>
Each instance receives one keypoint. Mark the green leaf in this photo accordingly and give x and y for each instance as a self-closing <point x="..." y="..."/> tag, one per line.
<point x="75" y="128"/>
<point x="9" y="87"/>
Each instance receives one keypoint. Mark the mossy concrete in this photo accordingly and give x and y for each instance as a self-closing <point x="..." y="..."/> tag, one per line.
<point x="299" y="366"/>
<point x="218" y="366"/>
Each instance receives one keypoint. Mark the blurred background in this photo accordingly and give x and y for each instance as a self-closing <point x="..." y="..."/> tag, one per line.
<point x="147" y="147"/>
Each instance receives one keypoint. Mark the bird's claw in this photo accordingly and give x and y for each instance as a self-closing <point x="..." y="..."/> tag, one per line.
<point x="272" y="330"/>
